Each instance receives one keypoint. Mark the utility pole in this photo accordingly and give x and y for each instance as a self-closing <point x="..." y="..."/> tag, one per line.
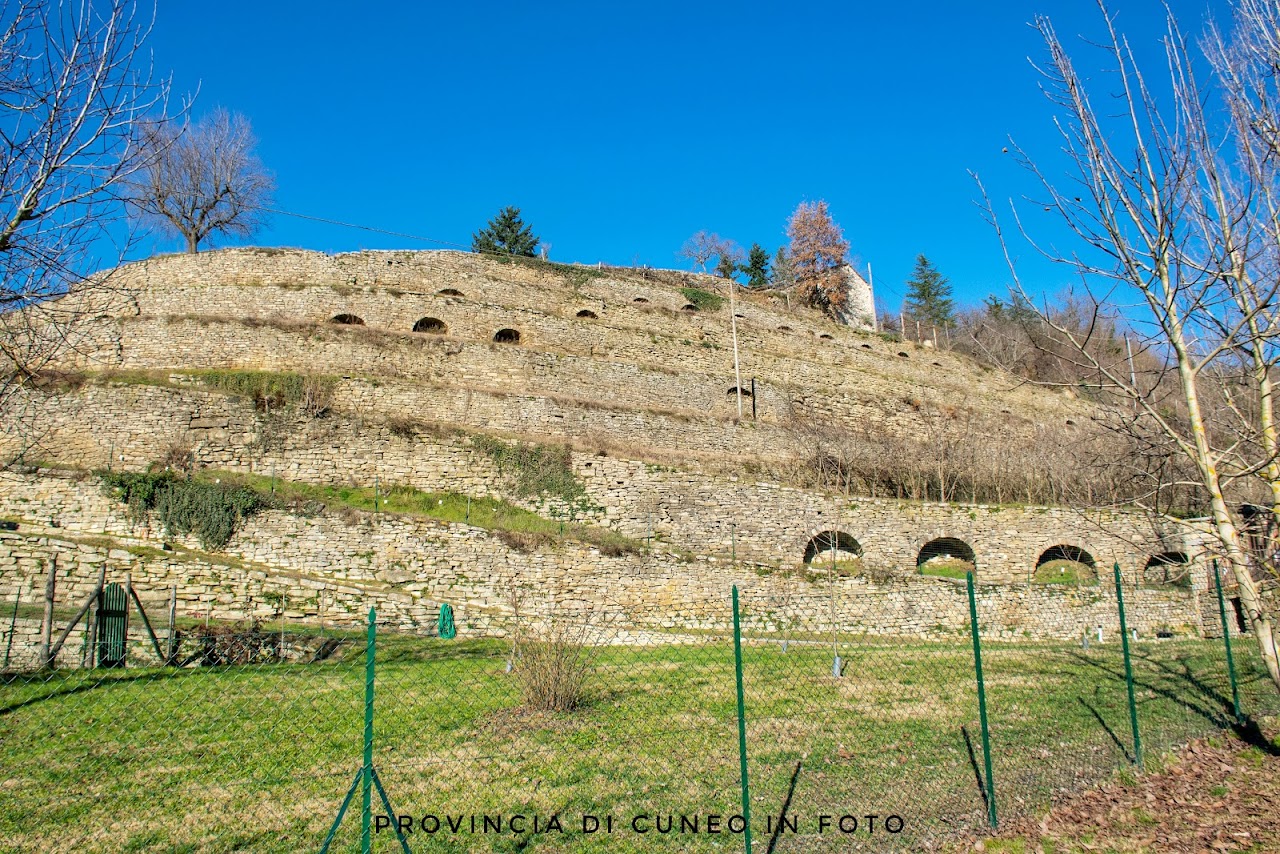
<point x="871" y="283"/>
<point x="737" y="371"/>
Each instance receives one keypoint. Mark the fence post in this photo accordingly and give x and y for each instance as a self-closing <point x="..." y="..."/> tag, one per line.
<point x="366" y="795"/>
<point x="46" y="625"/>
<point x="13" y="627"/>
<point x="1128" y="671"/>
<point x="982" y="702"/>
<point x="742" y="723"/>
<point x="1226" y="639"/>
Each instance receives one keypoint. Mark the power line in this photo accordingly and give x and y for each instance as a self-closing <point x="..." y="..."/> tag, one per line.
<point x="365" y="228"/>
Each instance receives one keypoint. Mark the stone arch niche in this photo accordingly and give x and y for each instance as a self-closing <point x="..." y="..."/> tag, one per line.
<point x="587" y="314"/>
<point x="733" y="391"/>
<point x="1167" y="569"/>
<point x="825" y="542"/>
<point x="450" y="292"/>
<point x="1065" y="563"/>
<point x="347" y="320"/>
<point x="431" y="325"/>
<point x="507" y="336"/>
<point x="946" y="556"/>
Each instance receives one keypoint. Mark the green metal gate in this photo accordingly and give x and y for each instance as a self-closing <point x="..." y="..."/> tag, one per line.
<point x="113" y="625"/>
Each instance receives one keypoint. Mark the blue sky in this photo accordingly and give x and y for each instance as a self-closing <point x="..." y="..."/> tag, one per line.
<point x="620" y="129"/>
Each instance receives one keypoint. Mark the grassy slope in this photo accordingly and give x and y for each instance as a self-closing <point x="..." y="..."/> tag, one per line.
<point x="258" y="758"/>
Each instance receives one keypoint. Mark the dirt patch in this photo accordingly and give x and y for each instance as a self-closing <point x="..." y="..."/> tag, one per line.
<point x="1217" y="794"/>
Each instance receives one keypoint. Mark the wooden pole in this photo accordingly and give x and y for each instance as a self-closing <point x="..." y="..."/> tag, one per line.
<point x="128" y="592"/>
<point x="89" y="650"/>
<point x="92" y="631"/>
<point x="46" y="625"/>
<point x="13" y="627"/>
<point x="66" y="633"/>
<point x="173" y="619"/>
<point x="155" y="642"/>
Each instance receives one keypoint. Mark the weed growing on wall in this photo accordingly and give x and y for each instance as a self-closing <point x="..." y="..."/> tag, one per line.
<point x="703" y="300"/>
<point x="271" y="391"/>
<point x="575" y="274"/>
<point x="538" y="471"/>
<point x="211" y="511"/>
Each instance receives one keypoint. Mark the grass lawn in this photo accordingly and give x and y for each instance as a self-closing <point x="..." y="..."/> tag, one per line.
<point x="1065" y="572"/>
<point x="259" y="758"/>
<point x="946" y="567"/>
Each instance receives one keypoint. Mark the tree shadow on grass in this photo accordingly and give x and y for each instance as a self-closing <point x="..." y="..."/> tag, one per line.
<point x="84" y="683"/>
<point x="782" y="813"/>
<point x="1115" y="739"/>
<point x="977" y="771"/>
<point x="1219" y="714"/>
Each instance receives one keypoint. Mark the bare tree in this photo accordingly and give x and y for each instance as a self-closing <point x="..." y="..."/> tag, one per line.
<point x="74" y="83"/>
<point x="204" y="179"/>
<point x="1175" y="213"/>
<point x="704" y="246"/>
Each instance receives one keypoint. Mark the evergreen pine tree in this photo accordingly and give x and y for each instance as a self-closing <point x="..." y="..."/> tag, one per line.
<point x="757" y="267"/>
<point x="727" y="267"/>
<point x="784" y="275"/>
<point x="929" y="296"/>
<point x="506" y="234"/>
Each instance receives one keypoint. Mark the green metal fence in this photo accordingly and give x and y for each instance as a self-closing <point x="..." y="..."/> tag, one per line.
<point x="745" y="722"/>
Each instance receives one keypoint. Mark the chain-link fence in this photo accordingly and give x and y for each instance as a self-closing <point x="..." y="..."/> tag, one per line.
<point x="584" y="726"/>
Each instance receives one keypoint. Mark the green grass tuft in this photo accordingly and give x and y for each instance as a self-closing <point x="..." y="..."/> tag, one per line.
<point x="703" y="300"/>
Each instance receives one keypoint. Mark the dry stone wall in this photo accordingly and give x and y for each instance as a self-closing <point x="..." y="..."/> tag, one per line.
<point x="849" y="377"/>
<point x="697" y="509"/>
<point x="642" y="373"/>
<point x="329" y="568"/>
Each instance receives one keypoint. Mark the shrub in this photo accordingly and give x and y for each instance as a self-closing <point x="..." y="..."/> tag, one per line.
<point x="274" y="391"/>
<point x="552" y="657"/>
<point x="220" y="645"/>
<point x="211" y="511"/>
<point x="537" y="470"/>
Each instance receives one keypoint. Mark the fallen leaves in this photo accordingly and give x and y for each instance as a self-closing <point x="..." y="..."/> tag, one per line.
<point x="1218" y="795"/>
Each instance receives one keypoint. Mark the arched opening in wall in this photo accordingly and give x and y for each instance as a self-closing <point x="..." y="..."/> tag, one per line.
<point x="507" y="336"/>
<point x="432" y="325"/>
<point x="837" y="545"/>
<point x="865" y="346"/>
<point x="784" y="328"/>
<point x="733" y="392"/>
<point x="688" y="307"/>
<point x="825" y="337"/>
<point x="1065" y="565"/>
<point x="1236" y="608"/>
<point x="946" y="557"/>
<point x="1167" y="569"/>
<point x="450" y="292"/>
<point x="346" y="320"/>
<point x="588" y="314"/>
<point x="903" y="354"/>
<point x="640" y="300"/>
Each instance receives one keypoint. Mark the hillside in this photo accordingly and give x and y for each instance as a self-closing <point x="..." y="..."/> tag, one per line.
<point x="451" y="374"/>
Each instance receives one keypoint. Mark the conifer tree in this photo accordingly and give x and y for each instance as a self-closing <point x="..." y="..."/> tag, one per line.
<point x="757" y="267"/>
<point x="506" y="234"/>
<point x="817" y="253"/>
<point x="929" y="296"/>
<point x="784" y="275"/>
